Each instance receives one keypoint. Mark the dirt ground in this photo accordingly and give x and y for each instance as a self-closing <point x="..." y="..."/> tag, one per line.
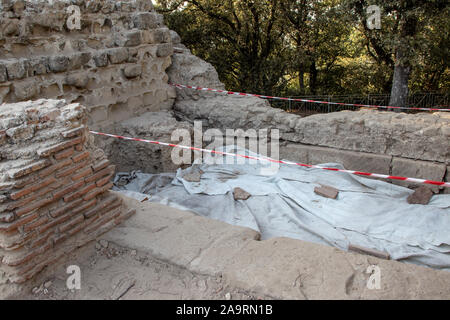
<point x="112" y="272"/>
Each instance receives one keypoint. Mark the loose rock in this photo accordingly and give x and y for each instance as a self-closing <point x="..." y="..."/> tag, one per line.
<point x="240" y="194"/>
<point x="422" y="195"/>
<point x="326" y="191"/>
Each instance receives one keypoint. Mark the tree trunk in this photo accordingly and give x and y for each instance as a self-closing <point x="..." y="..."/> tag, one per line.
<point x="301" y="81"/>
<point x="313" y="77"/>
<point x="399" y="91"/>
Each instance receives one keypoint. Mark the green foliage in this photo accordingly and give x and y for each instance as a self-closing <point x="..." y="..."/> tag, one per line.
<point x="315" y="46"/>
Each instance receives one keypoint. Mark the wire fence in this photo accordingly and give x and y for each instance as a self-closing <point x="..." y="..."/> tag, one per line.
<point x="421" y="100"/>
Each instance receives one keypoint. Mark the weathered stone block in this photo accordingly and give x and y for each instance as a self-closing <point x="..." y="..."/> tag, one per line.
<point x="132" y="71"/>
<point x="160" y="35"/>
<point x="101" y="59"/>
<point x="37" y="66"/>
<point x="175" y="37"/>
<point x="359" y="161"/>
<point x="25" y="90"/>
<point x="21" y="133"/>
<point x="418" y="169"/>
<point x="3" y="74"/>
<point x="164" y="50"/>
<point x="144" y="5"/>
<point x="128" y="39"/>
<point x="78" y="60"/>
<point x="117" y="55"/>
<point x="16" y="69"/>
<point x="58" y="63"/>
<point x="11" y="27"/>
<point x="78" y="80"/>
<point x="147" y="20"/>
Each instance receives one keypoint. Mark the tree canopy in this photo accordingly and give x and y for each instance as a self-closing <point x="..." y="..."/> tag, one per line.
<point x="302" y="47"/>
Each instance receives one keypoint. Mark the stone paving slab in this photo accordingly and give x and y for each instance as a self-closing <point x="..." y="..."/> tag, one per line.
<point x="280" y="267"/>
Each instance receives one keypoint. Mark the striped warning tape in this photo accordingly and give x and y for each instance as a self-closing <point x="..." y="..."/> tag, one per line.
<point x="303" y="100"/>
<point x="376" y="175"/>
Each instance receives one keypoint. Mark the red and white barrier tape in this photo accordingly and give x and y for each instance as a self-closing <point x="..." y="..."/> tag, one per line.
<point x="303" y="100"/>
<point x="376" y="175"/>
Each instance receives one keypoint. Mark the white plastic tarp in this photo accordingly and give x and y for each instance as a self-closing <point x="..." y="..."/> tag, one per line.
<point x="367" y="212"/>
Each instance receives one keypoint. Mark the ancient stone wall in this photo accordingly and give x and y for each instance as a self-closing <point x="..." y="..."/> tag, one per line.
<point x="118" y="65"/>
<point x="114" y="64"/>
<point x="53" y="187"/>
<point x="412" y="145"/>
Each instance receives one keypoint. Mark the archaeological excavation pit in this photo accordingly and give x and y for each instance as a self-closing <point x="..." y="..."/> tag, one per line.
<point x="63" y="187"/>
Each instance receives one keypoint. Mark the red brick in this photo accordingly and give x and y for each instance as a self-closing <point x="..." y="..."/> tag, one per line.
<point x="327" y="191"/>
<point x="79" y="147"/>
<point x="60" y="146"/>
<point x="21" y="183"/>
<point x="35" y="224"/>
<point x="73" y="132"/>
<point x="59" y="194"/>
<point x="101" y="165"/>
<point x="79" y="193"/>
<point x="21" y="203"/>
<point x="97" y="191"/>
<point x="56" y="213"/>
<point x="100" y="174"/>
<point x="103" y="181"/>
<point x="33" y="206"/>
<point x="83" y="173"/>
<point x="44" y="191"/>
<point x="105" y="219"/>
<point x="48" y="171"/>
<point x="76" y="229"/>
<point x="17" y="173"/>
<point x="72" y="223"/>
<point x="41" y="240"/>
<point x="32" y="188"/>
<point x="120" y="219"/>
<point x="85" y="206"/>
<point x="18" y="260"/>
<point x="107" y="204"/>
<point x="55" y="222"/>
<point x="64" y="154"/>
<point x="80" y="156"/>
<point x="69" y="171"/>
<point x="15" y="225"/>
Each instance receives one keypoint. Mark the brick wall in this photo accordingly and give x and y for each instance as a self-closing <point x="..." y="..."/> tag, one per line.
<point x="53" y="186"/>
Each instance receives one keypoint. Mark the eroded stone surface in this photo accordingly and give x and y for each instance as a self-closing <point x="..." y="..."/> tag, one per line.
<point x="309" y="271"/>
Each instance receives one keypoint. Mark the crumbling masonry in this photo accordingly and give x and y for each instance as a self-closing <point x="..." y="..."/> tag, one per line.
<point x="53" y="186"/>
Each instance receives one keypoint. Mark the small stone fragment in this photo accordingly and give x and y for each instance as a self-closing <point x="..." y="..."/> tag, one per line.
<point x="194" y="176"/>
<point x="326" y="191"/>
<point x="228" y="296"/>
<point x="104" y="243"/>
<point x="240" y="194"/>
<point x="421" y="195"/>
